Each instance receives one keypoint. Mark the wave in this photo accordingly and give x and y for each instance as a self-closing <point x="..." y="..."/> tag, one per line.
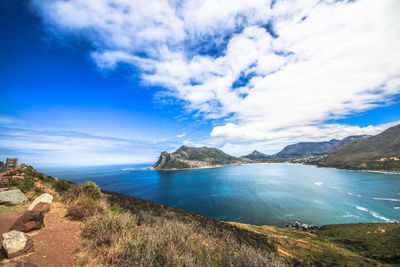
<point x="397" y="208"/>
<point x="352" y="194"/>
<point x="333" y="187"/>
<point x="350" y="215"/>
<point x="133" y="169"/>
<point x="374" y="214"/>
<point x="387" y="199"/>
<point x="362" y="208"/>
<point x="318" y="183"/>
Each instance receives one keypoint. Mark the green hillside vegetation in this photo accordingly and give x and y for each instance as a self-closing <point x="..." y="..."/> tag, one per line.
<point x="257" y="156"/>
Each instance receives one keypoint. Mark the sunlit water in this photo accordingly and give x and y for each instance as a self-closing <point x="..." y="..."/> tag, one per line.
<point x="257" y="193"/>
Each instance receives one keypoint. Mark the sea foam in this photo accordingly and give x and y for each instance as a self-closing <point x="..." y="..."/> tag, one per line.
<point x="387" y="199"/>
<point x="374" y="214"/>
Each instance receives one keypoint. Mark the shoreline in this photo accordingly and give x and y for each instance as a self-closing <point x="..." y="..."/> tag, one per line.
<point x="284" y="162"/>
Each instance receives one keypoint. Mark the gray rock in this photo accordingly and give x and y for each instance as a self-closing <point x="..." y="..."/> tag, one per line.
<point x="12" y="197"/>
<point x="43" y="198"/>
<point x="20" y="264"/>
<point x="16" y="243"/>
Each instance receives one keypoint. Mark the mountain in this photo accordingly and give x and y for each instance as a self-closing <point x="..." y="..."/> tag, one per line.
<point x="304" y="149"/>
<point x="351" y="139"/>
<point x="256" y="156"/>
<point x="379" y="152"/>
<point x="193" y="157"/>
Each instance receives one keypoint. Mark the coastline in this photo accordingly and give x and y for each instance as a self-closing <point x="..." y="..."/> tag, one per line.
<point x="283" y="162"/>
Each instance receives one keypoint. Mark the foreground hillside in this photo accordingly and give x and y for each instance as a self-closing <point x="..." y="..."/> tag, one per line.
<point x="379" y="152"/>
<point x="118" y="230"/>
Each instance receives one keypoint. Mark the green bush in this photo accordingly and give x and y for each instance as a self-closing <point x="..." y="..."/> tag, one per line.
<point x="62" y="186"/>
<point x="25" y="184"/>
<point x="92" y="190"/>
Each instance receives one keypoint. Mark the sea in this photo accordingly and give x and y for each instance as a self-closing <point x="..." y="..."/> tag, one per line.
<point x="265" y="193"/>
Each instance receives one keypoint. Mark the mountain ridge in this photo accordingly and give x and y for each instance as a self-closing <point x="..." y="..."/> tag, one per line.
<point x="187" y="157"/>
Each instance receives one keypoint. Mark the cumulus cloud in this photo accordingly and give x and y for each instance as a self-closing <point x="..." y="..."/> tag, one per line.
<point x="267" y="71"/>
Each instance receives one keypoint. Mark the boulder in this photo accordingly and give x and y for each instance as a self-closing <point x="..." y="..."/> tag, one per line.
<point x="30" y="220"/>
<point x="12" y="197"/>
<point x="16" y="243"/>
<point x="20" y="264"/>
<point x="42" y="207"/>
<point x="43" y="198"/>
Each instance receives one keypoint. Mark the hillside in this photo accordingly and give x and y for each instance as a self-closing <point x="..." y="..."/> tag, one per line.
<point x="193" y="157"/>
<point x="118" y="230"/>
<point x="307" y="149"/>
<point x="304" y="149"/>
<point x="379" y="152"/>
<point x="256" y="156"/>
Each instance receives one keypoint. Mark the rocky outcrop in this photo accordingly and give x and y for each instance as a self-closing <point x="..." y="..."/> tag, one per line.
<point x="194" y="157"/>
<point x="16" y="243"/>
<point x="163" y="160"/>
<point x="42" y="207"/>
<point x="29" y="221"/>
<point x="12" y="197"/>
<point x="43" y="198"/>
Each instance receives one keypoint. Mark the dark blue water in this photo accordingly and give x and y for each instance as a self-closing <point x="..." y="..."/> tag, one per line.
<point x="257" y="193"/>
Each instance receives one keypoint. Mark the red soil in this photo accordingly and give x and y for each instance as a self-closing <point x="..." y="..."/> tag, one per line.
<point x="56" y="244"/>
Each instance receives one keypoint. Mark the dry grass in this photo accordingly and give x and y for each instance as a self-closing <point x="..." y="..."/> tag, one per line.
<point x="120" y="239"/>
<point x="83" y="208"/>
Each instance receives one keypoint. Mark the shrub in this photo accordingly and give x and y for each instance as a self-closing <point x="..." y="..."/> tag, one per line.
<point x="83" y="208"/>
<point x="25" y="184"/>
<point x="62" y="186"/>
<point x="87" y="189"/>
<point x="92" y="190"/>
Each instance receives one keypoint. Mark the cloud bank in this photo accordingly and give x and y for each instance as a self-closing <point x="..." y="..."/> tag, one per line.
<point x="66" y="148"/>
<point x="266" y="71"/>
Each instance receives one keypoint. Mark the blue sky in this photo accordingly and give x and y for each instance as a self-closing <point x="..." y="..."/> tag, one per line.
<point x="105" y="82"/>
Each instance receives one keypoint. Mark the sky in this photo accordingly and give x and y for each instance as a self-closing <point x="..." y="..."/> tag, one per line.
<point x="118" y="81"/>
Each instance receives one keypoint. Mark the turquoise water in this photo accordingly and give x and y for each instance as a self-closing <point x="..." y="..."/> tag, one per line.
<point x="257" y="193"/>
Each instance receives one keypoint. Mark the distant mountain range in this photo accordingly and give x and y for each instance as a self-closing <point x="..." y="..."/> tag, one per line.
<point x="380" y="152"/>
<point x="256" y="156"/>
<point x="305" y="149"/>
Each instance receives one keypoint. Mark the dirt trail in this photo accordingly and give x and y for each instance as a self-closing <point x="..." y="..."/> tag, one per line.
<point x="56" y="244"/>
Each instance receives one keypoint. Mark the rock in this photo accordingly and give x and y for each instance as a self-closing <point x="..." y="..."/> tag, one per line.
<point x="2" y="252"/>
<point x="20" y="264"/>
<point x="42" y="207"/>
<point x="16" y="243"/>
<point x="12" y="197"/>
<point x="30" y="220"/>
<point x="296" y="225"/>
<point x="45" y="198"/>
<point x="304" y="227"/>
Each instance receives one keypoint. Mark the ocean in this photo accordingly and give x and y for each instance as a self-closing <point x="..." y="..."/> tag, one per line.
<point x="268" y="193"/>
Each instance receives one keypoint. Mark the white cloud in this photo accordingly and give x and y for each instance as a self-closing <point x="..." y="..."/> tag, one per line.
<point x="325" y="59"/>
<point x="181" y="135"/>
<point x="44" y="148"/>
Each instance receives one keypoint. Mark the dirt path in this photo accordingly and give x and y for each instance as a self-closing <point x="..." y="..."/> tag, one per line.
<point x="56" y="244"/>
